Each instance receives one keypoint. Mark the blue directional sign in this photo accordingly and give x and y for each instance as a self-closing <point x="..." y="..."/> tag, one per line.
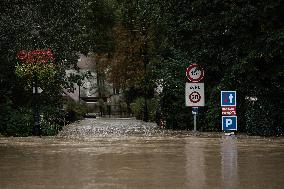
<point x="228" y="98"/>
<point x="229" y="123"/>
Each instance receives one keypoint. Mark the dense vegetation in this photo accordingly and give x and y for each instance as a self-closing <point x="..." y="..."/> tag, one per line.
<point x="239" y="43"/>
<point x="66" y="28"/>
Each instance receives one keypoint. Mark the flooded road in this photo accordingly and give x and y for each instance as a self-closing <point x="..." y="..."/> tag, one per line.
<point x="130" y="154"/>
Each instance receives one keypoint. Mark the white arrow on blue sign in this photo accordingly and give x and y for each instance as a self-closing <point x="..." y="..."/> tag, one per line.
<point x="229" y="123"/>
<point x="228" y="98"/>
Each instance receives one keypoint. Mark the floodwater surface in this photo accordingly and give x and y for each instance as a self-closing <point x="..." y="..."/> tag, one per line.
<point x="140" y="156"/>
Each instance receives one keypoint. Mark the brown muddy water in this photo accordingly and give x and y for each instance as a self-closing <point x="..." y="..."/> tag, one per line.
<point x="130" y="154"/>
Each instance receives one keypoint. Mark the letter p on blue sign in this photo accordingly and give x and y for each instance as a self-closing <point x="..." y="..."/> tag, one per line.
<point x="229" y="123"/>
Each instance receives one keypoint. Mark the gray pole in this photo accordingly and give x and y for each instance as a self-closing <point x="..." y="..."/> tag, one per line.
<point x="36" y="128"/>
<point x="194" y="122"/>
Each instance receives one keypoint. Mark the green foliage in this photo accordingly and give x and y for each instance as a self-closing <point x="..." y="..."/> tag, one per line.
<point x="97" y="20"/>
<point x="46" y="74"/>
<point x="262" y="118"/>
<point x="66" y="27"/>
<point x="211" y="117"/>
<point x="75" y="110"/>
<point x="15" y="122"/>
<point x="52" y="119"/>
<point x="172" y="75"/>
<point x="138" y="105"/>
<point x="49" y="128"/>
<point x="240" y="45"/>
<point x="18" y="121"/>
<point x="153" y="105"/>
<point x="30" y="25"/>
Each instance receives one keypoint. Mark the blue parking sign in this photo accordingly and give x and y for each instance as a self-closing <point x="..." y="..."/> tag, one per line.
<point x="229" y="123"/>
<point x="228" y="98"/>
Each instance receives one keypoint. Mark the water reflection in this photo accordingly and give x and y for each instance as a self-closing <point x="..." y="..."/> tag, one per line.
<point x="195" y="161"/>
<point x="229" y="161"/>
<point x="141" y="162"/>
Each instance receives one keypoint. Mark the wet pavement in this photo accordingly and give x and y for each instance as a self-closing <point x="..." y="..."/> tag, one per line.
<point x="126" y="153"/>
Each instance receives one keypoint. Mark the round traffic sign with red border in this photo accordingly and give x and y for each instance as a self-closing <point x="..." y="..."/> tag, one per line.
<point x="194" y="97"/>
<point x="195" y="73"/>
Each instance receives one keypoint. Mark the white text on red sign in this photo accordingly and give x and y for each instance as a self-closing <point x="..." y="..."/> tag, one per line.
<point x="229" y="110"/>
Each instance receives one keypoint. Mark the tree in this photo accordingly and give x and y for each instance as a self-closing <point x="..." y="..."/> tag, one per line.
<point x="58" y="25"/>
<point x="239" y="43"/>
<point x="134" y="43"/>
<point x="97" y="21"/>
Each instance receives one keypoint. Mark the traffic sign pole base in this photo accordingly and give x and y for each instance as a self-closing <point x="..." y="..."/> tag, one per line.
<point x="230" y="134"/>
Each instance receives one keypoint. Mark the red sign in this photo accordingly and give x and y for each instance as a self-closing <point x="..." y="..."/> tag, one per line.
<point x="36" y="56"/>
<point x="194" y="73"/>
<point x="229" y="110"/>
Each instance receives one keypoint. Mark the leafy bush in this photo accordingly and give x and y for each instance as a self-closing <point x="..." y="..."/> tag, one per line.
<point x="15" y="122"/>
<point x="212" y="116"/>
<point x="138" y="105"/>
<point x="52" y="119"/>
<point x="243" y="57"/>
<point x="177" y="115"/>
<point x="46" y="74"/>
<point x="19" y="121"/>
<point x="49" y="128"/>
<point x="75" y="111"/>
<point x="262" y="118"/>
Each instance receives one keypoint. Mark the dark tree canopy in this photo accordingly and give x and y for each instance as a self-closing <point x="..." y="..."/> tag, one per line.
<point x="240" y="45"/>
<point x="66" y="27"/>
<point x="238" y="42"/>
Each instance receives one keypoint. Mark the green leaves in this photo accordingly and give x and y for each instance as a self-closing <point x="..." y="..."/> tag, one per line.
<point x="239" y="44"/>
<point x="45" y="72"/>
<point x="261" y="119"/>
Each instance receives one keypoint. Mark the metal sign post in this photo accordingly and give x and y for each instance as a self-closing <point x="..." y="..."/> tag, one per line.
<point x="194" y="97"/>
<point x="36" y="127"/>
<point x="194" y="90"/>
<point x="194" y="122"/>
<point x="194" y="112"/>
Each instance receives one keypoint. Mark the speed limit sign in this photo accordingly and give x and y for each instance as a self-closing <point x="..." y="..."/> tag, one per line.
<point x="194" y="94"/>
<point x="194" y="97"/>
<point x="195" y="73"/>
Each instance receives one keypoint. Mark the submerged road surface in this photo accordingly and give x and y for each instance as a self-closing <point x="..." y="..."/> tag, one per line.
<point x="125" y="153"/>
